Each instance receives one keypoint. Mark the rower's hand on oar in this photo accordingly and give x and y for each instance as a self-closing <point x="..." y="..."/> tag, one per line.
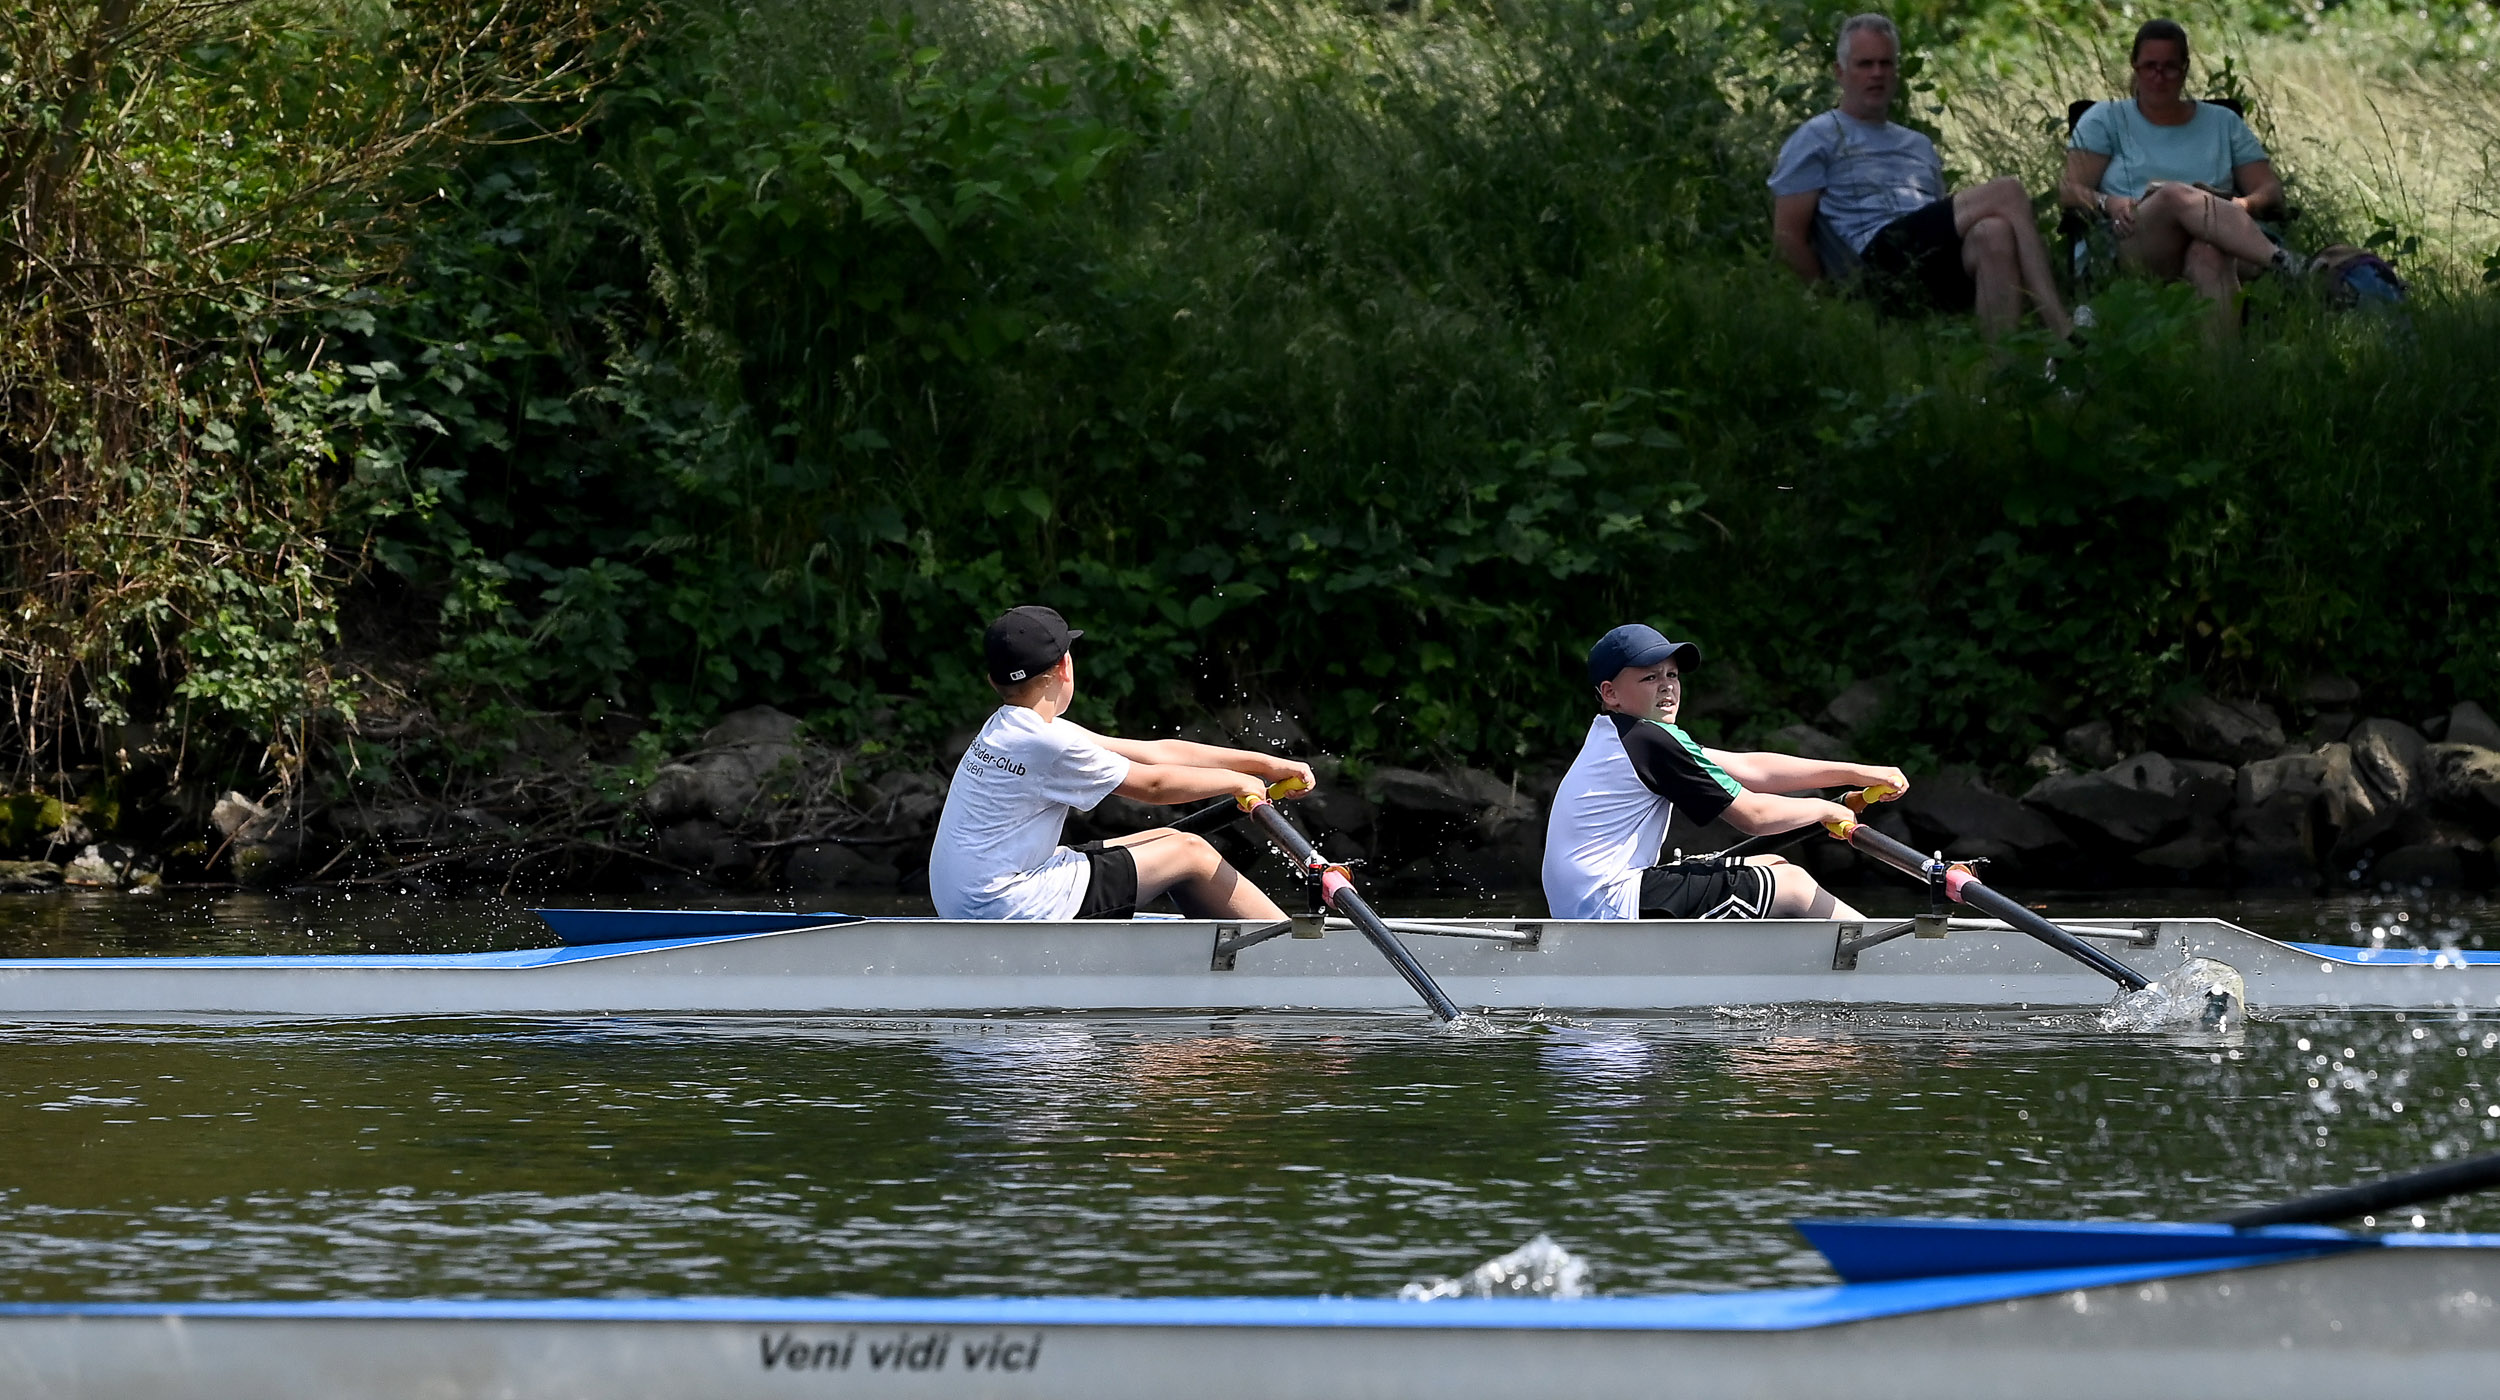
<point x="1882" y="785"/>
<point x="1835" y="818"/>
<point x="1288" y="777"/>
<point x="1249" y="792"/>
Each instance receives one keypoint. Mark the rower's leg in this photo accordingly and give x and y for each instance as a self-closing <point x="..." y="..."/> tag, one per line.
<point x="1796" y="894"/>
<point x="1204" y="885"/>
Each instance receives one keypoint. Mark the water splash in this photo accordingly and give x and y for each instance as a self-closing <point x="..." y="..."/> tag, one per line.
<point x="1538" y="1269"/>
<point x="1480" y="1025"/>
<point x="2199" y="994"/>
<point x="1488" y="1023"/>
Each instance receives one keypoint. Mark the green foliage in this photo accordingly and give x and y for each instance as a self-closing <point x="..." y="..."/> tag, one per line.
<point x="1370" y="363"/>
<point x="190" y="195"/>
<point x="744" y="190"/>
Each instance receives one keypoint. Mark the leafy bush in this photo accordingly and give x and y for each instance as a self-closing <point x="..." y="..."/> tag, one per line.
<point x="1367" y="362"/>
<point x="190" y="195"/>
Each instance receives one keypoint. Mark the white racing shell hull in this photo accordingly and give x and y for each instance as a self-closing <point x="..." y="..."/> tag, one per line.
<point x="2400" y="1321"/>
<point x="942" y="967"/>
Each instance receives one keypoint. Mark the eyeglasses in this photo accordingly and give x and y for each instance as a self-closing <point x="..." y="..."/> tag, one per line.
<point x="2163" y="70"/>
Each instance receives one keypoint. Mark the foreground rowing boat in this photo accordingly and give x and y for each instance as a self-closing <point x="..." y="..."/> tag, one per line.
<point x="1932" y="1310"/>
<point x="667" y="962"/>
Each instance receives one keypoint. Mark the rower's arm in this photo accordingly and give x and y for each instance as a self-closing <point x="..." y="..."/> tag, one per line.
<point x="1180" y="753"/>
<point x="1163" y="784"/>
<point x="1768" y="813"/>
<point x="1779" y="772"/>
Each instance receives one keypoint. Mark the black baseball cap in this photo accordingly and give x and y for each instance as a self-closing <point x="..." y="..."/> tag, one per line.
<point x="1636" y="644"/>
<point x="1024" y="642"/>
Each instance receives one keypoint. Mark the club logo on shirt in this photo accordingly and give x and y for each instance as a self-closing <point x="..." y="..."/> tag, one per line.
<point x="982" y="756"/>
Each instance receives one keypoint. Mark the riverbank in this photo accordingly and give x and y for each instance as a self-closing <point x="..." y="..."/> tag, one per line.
<point x="2207" y="793"/>
<point x="1366" y="361"/>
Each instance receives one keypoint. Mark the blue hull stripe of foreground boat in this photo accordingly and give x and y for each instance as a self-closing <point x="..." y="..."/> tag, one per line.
<point x="2400" y="957"/>
<point x="581" y="926"/>
<point x="377" y="962"/>
<point x="1878" y="1251"/>
<point x="1772" y="1310"/>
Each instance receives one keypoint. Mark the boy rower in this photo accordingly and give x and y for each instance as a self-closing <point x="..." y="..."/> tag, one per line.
<point x="997" y="854"/>
<point x="1637" y="769"/>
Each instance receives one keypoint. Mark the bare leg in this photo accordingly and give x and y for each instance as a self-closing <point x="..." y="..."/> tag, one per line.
<point x="2177" y="214"/>
<point x="1201" y="882"/>
<point x="2216" y="274"/>
<point x="1988" y="256"/>
<point x="1796" y="895"/>
<point x="2005" y="200"/>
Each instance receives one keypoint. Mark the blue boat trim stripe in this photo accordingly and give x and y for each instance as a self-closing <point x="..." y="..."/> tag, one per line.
<point x="376" y="962"/>
<point x="2398" y="957"/>
<point x="1778" y="1310"/>
<point x="640" y="925"/>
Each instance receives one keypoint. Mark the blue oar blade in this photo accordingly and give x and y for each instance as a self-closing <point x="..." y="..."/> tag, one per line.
<point x="584" y="926"/>
<point x="1875" y="1251"/>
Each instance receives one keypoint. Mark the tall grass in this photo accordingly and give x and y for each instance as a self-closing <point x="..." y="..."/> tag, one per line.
<point x="2383" y="120"/>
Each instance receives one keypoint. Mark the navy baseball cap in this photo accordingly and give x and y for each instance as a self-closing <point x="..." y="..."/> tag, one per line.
<point x="1024" y="642"/>
<point x="1636" y="644"/>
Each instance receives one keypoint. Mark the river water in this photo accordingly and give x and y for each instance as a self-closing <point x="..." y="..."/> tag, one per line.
<point x="1219" y="1155"/>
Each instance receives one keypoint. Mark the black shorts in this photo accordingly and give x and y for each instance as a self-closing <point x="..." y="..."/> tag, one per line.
<point x="1706" y="887"/>
<point x="1915" y="263"/>
<point x="1111" y="886"/>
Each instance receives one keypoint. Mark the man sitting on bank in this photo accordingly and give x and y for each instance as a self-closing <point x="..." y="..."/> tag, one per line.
<point x="1879" y="186"/>
<point x="1637" y="770"/>
<point x="997" y="854"/>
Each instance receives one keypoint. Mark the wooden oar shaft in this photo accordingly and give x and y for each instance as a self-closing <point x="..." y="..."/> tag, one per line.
<point x="2371" y="1197"/>
<point x="1966" y="889"/>
<point x="1340" y="894"/>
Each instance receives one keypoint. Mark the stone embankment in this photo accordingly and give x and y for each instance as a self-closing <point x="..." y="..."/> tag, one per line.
<point x="2228" y="799"/>
<point x="2212" y="792"/>
<point x="2358" y="802"/>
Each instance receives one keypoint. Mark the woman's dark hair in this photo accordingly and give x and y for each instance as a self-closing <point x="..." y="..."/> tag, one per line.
<point x="2155" y="30"/>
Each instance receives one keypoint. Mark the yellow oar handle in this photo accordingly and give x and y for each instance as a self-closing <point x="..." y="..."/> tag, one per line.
<point x="1868" y="796"/>
<point x="1840" y="829"/>
<point x="1284" y="787"/>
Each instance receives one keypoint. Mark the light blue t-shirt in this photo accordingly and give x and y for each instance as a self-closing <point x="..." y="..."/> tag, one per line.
<point x="2205" y="151"/>
<point x="1870" y="173"/>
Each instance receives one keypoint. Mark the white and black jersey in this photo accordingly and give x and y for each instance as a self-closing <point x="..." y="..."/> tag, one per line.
<point x="1611" y="813"/>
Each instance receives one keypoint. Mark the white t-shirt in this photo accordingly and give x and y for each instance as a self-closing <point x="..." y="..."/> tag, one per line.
<point x="1612" y="810"/>
<point x="997" y="854"/>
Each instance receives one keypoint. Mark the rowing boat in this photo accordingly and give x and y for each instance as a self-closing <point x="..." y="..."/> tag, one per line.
<point x="685" y="962"/>
<point x="1928" y="1310"/>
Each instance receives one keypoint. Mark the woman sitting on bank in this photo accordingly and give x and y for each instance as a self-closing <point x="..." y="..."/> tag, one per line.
<point x="2179" y="180"/>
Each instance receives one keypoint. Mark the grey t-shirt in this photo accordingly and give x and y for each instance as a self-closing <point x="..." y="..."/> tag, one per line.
<point x="1870" y="173"/>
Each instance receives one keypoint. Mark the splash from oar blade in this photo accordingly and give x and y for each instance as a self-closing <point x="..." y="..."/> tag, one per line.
<point x="2200" y="991"/>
